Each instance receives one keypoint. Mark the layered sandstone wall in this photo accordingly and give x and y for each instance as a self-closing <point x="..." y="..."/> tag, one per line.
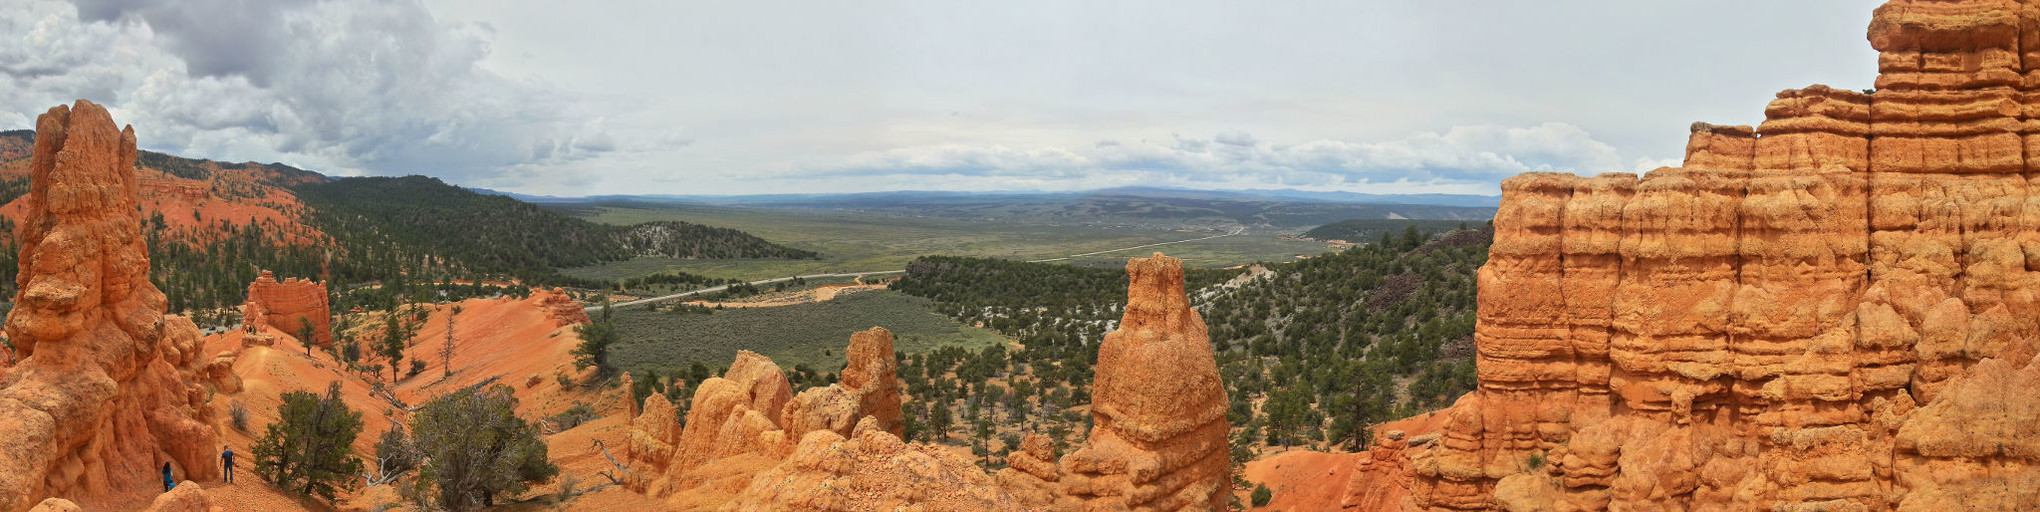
<point x="106" y="388"/>
<point x="290" y="305"/>
<point x="1829" y="311"/>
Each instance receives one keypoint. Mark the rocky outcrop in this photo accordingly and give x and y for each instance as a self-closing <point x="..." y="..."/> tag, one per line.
<point x="868" y="389"/>
<point x="1158" y="440"/>
<point x="872" y="470"/>
<point x="749" y="418"/>
<point x="289" y="306"/>
<point x="105" y="390"/>
<point x="1830" y="311"/>
<point x="186" y="497"/>
<point x="562" y="308"/>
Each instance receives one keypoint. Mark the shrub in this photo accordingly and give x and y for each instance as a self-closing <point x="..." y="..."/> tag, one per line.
<point x="309" y="450"/>
<point x="476" y="449"/>
<point x="239" y="414"/>
<point x="1262" y="495"/>
<point x="573" y="417"/>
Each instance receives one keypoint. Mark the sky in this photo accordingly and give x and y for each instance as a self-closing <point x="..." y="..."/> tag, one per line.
<point x="683" y="97"/>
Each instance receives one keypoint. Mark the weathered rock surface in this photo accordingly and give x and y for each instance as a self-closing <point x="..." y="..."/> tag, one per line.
<point x="186" y="497"/>
<point x="289" y="306"/>
<point x="872" y="470"/>
<point x="561" y="307"/>
<point x="748" y="420"/>
<point x="868" y="389"/>
<point x="1834" y="310"/>
<point x="1158" y="439"/>
<point x="106" y="388"/>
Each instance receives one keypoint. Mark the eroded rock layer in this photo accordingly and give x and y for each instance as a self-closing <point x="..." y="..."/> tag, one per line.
<point x="106" y="388"/>
<point x="290" y="306"/>
<point x="1158" y="440"/>
<point x="1834" y="310"/>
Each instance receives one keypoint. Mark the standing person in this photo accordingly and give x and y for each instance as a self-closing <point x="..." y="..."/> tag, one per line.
<point x="167" y="482"/>
<point x="228" y="457"/>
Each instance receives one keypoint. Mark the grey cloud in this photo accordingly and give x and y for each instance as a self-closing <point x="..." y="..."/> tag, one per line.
<point x="380" y="87"/>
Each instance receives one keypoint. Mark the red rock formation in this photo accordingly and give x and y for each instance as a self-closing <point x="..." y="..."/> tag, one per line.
<point x="105" y="390"/>
<point x="563" y="309"/>
<point x="748" y="420"/>
<point x="1158" y="440"/>
<point x="186" y="497"/>
<point x="872" y="470"/>
<point x="289" y="305"/>
<point x="1829" y="311"/>
<point x="868" y="388"/>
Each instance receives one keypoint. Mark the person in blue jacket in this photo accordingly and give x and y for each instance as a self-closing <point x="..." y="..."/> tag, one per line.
<point x="167" y="482"/>
<point x="228" y="458"/>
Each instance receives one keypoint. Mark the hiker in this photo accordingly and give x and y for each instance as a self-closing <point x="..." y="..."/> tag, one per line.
<point x="228" y="457"/>
<point x="167" y="482"/>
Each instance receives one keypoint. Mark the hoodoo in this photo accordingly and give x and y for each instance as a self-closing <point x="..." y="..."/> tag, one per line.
<point x="1159" y="435"/>
<point x="1828" y="311"/>
<point x="105" y="389"/>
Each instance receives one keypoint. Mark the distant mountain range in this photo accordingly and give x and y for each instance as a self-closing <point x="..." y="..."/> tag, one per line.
<point x="1128" y="207"/>
<point x="1289" y="195"/>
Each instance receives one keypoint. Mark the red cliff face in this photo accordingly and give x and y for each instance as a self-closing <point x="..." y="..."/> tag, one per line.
<point x="104" y="390"/>
<point x="289" y="306"/>
<point x="1833" y="310"/>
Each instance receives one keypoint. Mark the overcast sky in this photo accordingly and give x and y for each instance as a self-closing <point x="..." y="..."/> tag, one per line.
<point x="665" y="97"/>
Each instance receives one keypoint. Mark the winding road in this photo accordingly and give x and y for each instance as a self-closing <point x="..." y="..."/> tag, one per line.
<point x="713" y="289"/>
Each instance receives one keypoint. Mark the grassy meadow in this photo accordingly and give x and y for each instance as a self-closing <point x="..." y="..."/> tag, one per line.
<point x="813" y="334"/>
<point x="852" y="242"/>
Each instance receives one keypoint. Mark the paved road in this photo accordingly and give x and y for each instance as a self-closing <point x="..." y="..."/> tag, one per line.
<point x="714" y="289"/>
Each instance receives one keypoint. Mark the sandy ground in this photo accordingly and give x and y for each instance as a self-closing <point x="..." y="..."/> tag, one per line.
<point x="1304" y="480"/>
<point x="506" y="341"/>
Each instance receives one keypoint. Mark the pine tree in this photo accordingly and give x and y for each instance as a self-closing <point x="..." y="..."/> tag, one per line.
<point x="394" y="340"/>
<point x="476" y="448"/>
<point x="309" y="450"/>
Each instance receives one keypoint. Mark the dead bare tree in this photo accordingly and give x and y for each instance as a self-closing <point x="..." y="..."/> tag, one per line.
<point x="446" y="352"/>
<point x="621" y="470"/>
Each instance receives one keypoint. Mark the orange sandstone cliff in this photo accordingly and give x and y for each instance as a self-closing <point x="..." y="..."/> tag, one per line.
<point x="289" y="306"/>
<point x="104" y="390"/>
<point x="1834" y="310"/>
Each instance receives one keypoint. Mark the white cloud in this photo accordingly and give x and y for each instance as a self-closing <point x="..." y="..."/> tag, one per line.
<point x="1462" y="154"/>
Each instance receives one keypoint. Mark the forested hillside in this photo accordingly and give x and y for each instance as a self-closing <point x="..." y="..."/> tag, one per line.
<point x="211" y="226"/>
<point x="1362" y="231"/>
<point x="497" y="235"/>
<point x="1312" y="351"/>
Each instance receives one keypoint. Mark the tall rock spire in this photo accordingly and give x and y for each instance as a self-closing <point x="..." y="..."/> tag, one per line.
<point x="103" y="393"/>
<point x="1158" y="440"/>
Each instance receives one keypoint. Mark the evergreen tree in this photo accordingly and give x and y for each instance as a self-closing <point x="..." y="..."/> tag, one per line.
<point x="309" y="450"/>
<point x="477" y="449"/>
<point x="596" y="337"/>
